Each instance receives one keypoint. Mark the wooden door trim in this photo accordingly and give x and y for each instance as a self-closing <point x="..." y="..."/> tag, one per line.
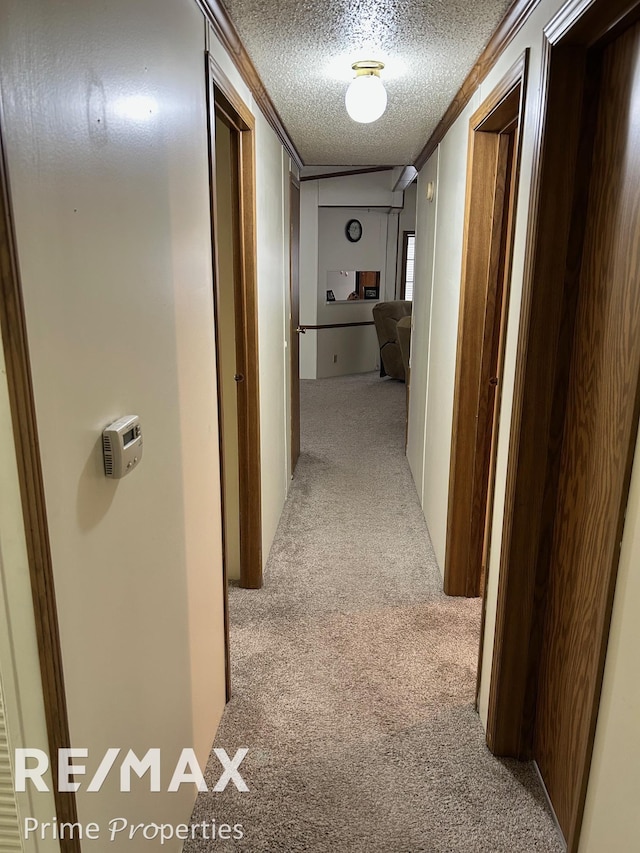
<point x="34" y="510"/>
<point x="518" y="626"/>
<point x="250" y="465"/>
<point x="240" y="115"/>
<point x="223" y="96"/>
<point x="228" y="36"/>
<point x="482" y="242"/>
<point x="514" y="19"/>
<point x="587" y="22"/>
<point x="544" y="337"/>
<point x="557" y="218"/>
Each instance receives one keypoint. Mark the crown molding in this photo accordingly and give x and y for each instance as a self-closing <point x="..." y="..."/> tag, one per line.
<point x="347" y="173"/>
<point x="228" y="36"/>
<point x="515" y="17"/>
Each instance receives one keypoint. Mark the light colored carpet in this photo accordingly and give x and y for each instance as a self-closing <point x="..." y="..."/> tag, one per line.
<point x="353" y="675"/>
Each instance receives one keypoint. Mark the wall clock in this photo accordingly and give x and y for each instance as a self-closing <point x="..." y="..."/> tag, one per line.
<point x="353" y="230"/>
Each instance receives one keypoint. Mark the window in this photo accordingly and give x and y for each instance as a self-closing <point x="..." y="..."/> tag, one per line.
<point x="408" y="259"/>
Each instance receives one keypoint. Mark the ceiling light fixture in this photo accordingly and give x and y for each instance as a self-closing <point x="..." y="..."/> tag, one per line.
<point x="366" y="97"/>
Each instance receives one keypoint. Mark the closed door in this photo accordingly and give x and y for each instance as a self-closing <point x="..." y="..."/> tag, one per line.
<point x="599" y="435"/>
<point x="232" y="177"/>
<point x="492" y="181"/>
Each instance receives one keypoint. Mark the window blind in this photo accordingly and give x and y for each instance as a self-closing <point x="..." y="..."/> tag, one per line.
<point x="408" y="276"/>
<point x="10" y="836"/>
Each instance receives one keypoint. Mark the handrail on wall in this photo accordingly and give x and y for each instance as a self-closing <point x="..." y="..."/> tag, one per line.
<point x="303" y="328"/>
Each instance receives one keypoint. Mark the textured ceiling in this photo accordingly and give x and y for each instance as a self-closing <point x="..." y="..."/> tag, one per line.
<point x="303" y="52"/>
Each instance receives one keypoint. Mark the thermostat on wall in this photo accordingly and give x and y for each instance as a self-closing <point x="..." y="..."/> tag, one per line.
<point x="122" y="446"/>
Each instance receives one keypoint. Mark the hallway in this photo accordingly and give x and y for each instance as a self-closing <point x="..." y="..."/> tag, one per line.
<point x="353" y="676"/>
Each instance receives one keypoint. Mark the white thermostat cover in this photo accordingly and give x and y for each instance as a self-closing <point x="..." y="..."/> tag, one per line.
<point x="122" y="446"/>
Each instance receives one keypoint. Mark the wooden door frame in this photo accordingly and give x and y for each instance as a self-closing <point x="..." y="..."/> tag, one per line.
<point x="222" y="96"/>
<point x="294" y="273"/>
<point x="557" y="218"/>
<point x="34" y="510"/>
<point x="486" y="275"/>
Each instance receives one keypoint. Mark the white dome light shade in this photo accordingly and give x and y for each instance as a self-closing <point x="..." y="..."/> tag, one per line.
<point x="366" y="98"/>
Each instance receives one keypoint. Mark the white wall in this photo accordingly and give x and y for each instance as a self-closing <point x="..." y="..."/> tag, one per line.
<point x="336" y="252"/>
<point x="273" y="166"/>
<point x="309" y="277"/>
<point x="372" y="189"/>
<point x="326" y="207"/>
<point x="425" y="225"/>
<point x="105" y="119"/>
<point x="614" y="774"/>
<point x="355" y="348"/>
<point x="443" y="251"/>
<point x="287" y="168"/>
<point x="273" y="278"/>
<point x="111" y="208"/>
<point x="443" y="320"/>
<point x="612" y="818"/>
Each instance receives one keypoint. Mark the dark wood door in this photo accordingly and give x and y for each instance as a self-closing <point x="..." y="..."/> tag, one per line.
<point x="239" y="212"/>
<point x="295" y="322"/>
<point x="599" y="436"/>
<point x="489" y="227"/>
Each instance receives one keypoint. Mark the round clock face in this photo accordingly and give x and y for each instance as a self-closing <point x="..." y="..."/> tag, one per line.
<point x="354" y="230"/>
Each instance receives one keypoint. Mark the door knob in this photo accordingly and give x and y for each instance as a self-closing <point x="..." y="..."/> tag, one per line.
<point x="301" y="330"/>
<point x="238" y="377"/>
<point x="493" y="380"/>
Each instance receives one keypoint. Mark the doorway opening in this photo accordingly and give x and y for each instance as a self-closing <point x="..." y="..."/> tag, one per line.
<point x="576" y="402"/>
<point x="492" y="181"/>
<point x="232" y="183"/>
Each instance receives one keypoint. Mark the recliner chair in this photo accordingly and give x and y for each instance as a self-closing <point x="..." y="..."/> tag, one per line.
<point x="385" y="317"/>
<point x="403" y="328"/>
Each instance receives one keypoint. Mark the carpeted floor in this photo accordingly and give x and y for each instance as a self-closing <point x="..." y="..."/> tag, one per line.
<point x="353" y="675"/>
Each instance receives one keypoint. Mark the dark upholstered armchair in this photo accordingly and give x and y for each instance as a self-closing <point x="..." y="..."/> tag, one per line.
<point x="385" y="317"/>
